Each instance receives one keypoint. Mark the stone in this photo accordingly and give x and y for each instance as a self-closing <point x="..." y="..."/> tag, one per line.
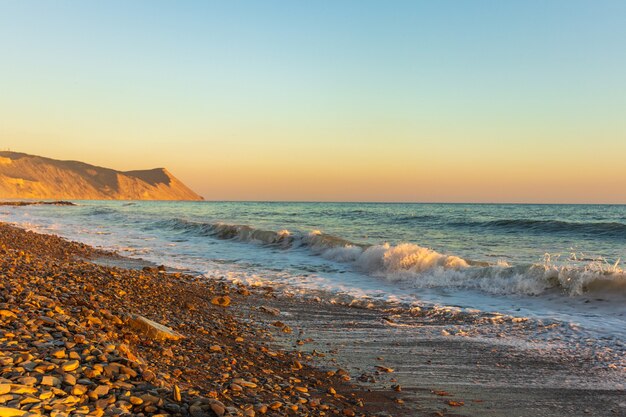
<point x="222" y="301"/>
<point x="152" y="329"/>
<point x="79" y="389"/>
<point x="59" y="353"/>
<point x="22" y="389"/>
<point x="217" y="407"/>
<point x="50" y="381"/>
<point x="70" y="366"/>
<point x="270" y="310"/>
<point x="197" y="411"/>
<point x="69" y="379"/>
<point x="11" y="412"/>
<point x="276" y="405"/>
<point x="100" y="390"/>
<point x="28" y="380"/>
<point x="7" y="313"/>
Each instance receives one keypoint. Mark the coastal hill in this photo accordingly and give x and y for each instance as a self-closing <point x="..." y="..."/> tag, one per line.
<point x="29" y="176"/>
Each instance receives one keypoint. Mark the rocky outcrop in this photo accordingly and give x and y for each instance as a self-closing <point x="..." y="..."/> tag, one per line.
<point x="29" y="176"/>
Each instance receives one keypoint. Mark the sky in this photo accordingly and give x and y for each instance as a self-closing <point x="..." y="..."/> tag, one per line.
<point x="426" y="101"/>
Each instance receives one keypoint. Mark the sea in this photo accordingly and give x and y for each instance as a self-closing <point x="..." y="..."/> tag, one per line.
<point x="550" y="264"/>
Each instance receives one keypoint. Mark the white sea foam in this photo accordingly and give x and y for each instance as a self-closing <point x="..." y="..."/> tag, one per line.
<point x="418" y="266"/>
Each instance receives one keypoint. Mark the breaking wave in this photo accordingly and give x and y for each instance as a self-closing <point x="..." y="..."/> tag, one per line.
<point x="418" y="266"/>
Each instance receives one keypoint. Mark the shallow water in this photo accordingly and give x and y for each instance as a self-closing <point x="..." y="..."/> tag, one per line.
<point x="548" y="262"/>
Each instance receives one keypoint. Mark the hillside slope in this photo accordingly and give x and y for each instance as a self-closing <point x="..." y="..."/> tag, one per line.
<point x="29" y="176"/>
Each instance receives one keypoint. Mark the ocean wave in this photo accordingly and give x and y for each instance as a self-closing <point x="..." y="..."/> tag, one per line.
<point x="99" y="211"/>
<point x="602" y="229"/>
<point x="421" y="267"/>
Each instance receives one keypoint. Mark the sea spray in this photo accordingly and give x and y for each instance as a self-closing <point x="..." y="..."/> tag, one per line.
<point x="419" y="266"/>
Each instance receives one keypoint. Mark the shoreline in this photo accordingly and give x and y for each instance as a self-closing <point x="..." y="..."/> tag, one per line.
<point x="432" y="375"/>
<point x="221" y="365"/>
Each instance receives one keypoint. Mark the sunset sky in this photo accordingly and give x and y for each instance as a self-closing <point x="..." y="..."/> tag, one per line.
<point x="446" y="101"/>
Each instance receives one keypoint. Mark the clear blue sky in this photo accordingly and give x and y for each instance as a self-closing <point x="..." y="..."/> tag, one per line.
<point x="328" y="100"/>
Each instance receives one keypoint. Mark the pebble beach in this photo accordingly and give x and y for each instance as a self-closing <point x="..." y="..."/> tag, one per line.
<point x="80" y="338"/>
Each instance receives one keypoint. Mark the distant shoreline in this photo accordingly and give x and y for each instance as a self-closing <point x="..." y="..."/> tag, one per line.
<point x="36" y="203"/>
<point x="19" y="201"/>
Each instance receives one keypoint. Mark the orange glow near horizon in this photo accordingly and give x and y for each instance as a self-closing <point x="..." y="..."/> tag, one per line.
<point x="341" y="102"/>
<point x="396" y="173"/>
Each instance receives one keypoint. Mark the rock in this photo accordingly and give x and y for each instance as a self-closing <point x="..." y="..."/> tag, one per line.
<point x="176" y="394"/>
<point x="7" y="313"/>
<point x="242" y="382"/>
<point x="69" y="379"/>
<point x="79" y="389"/>
<point x="100" y="390"/>
<point x="28" y="380"/>
<point x="22" y="389"/>
<point x="222" y="301"/>
<point x="197" y="411"/>
<point x="70" y="366"/>
<point x="217" y="407"/>
<point x="50" y="381"/>
<point x="172" y="408"/>
<point x="11" y="412"/>
<point x="59" y="353"/>
<point x="276" y="405"/>
<point x="270" y="310"/>
<point x="153" y="329"/>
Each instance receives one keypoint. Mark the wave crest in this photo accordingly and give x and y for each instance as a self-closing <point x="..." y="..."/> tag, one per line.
<point x="419" y="266"/>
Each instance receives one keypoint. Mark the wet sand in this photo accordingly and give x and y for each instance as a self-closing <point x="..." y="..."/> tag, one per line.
<point x="304" y="358"/>
<point x="435" y="374"/>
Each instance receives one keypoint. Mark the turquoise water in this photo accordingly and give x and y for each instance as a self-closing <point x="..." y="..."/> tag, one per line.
<point x="560" y="262"/>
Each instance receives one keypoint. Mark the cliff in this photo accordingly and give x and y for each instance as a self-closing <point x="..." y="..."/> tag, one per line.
<point x="29" y="176"/>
